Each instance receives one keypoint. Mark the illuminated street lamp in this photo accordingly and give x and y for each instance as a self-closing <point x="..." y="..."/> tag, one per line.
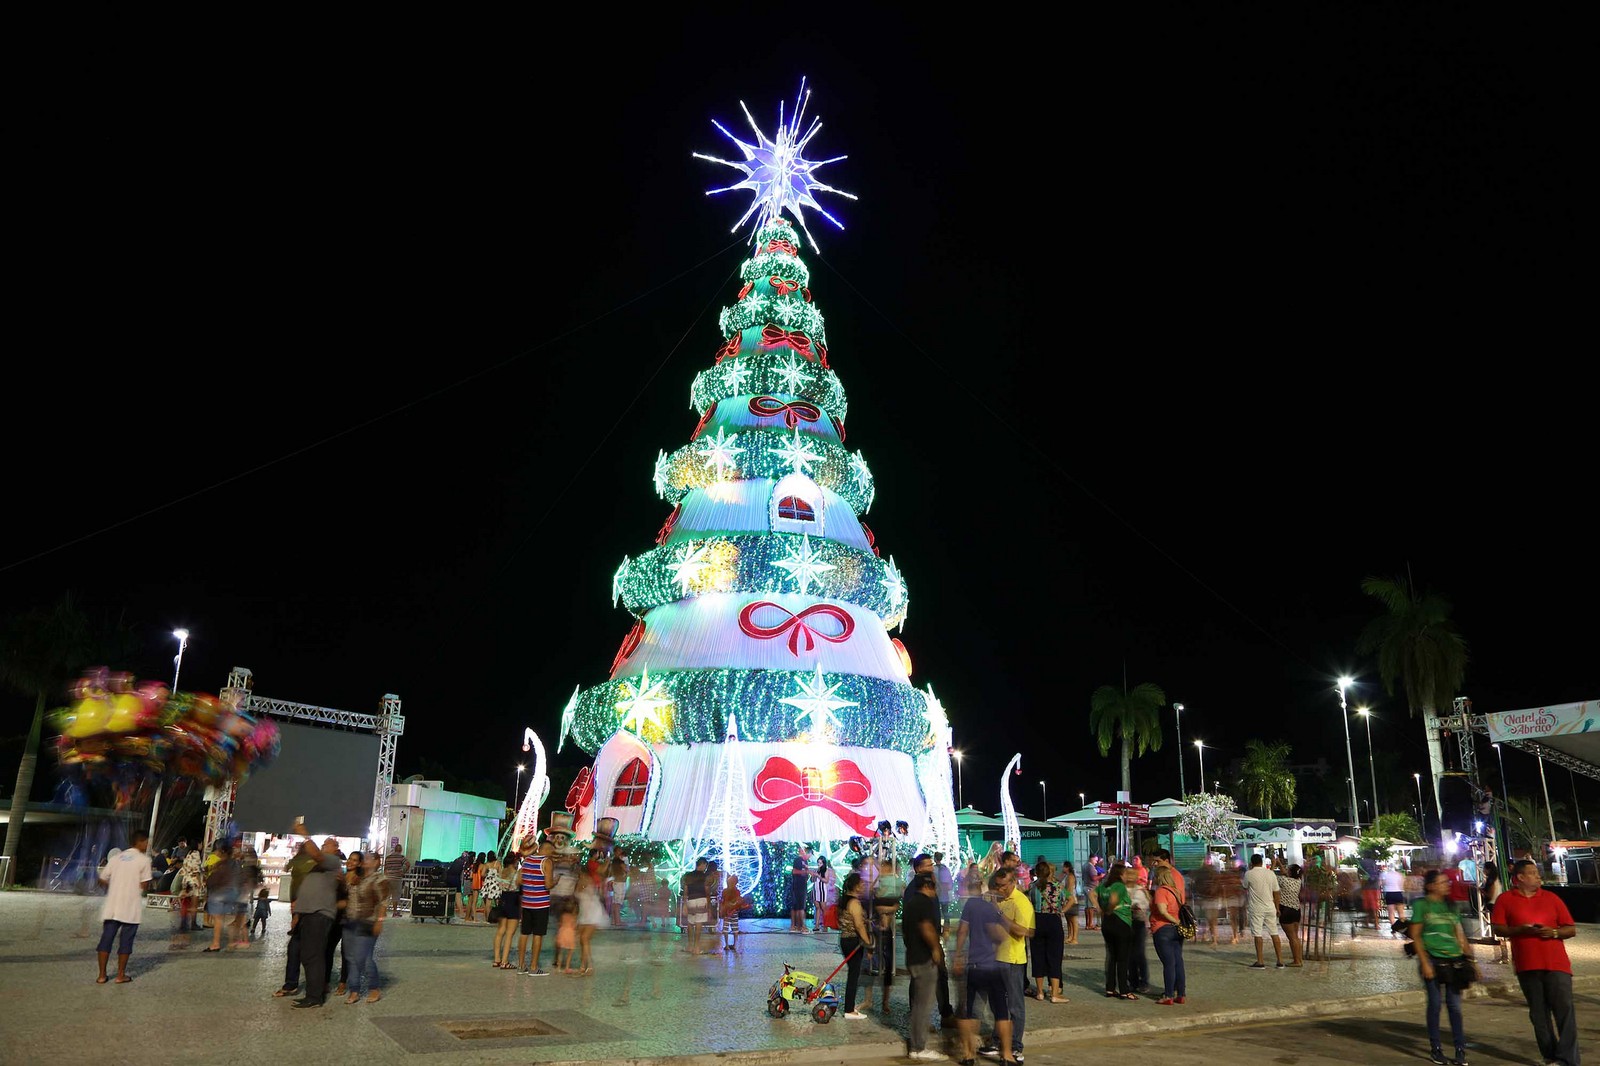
<point x="1082" y="802"/>
<point x="1366" y="712"/>
<point x="177" y="661"/>
<point x="1422" y="817"/>
<point x="1177" y="718"/>
<point x="960" y="802"/>
<point x="1349" y="753"/>
<point x="1045" y="800"/>
<point x="1200" y="745"/>
<point x="516" y="789"/>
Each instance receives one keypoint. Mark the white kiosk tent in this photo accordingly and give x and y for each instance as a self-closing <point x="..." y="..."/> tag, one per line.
<point x="388" y="724"/>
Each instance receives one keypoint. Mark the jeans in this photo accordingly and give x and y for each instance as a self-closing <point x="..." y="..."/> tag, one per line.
<point x="360" y="971"/>
<point x="884" y="958"/>
<point x="1118" y="936"/>
<point x="291" y="968"/>
<point x="1015" y="974"/>
<point x="923" y="977"/>
<point x="1138" y="961"/>
<point x="1452" y="999"/>
<point x="1169" y="949"/>
<point x="1549" y="994"/>
<point x="853" y="949"/>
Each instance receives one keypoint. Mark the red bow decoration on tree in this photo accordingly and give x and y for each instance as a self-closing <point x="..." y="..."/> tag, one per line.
<point x="836" y="788"/>
<point x="777" y="337"/>
<point x="797" y="622"/>
<point x="666" y="527"/>
<point x="822" y="351"/>
<point x="838" y="425"/>
<point x="793" y="413"/>
<point x="782" y="246"/>
<point x="629" y="644"/>
<point x="807" y="294"/>
<point x="872" y="542"/>
<point x="703" y="420"/>
<point x="784" y="287"/>
<point x="581" y="794"/>
<point x="729" y="349"/>
<point x="746" y="290"/>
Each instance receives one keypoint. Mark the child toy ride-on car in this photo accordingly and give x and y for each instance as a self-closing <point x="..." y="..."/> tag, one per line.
<point x="806" y="991"/>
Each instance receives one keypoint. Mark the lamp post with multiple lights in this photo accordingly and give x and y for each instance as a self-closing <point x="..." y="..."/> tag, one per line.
<point x="1349" y="752"/>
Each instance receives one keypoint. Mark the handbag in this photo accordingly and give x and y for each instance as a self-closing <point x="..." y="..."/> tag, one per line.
<point x="1458" y="972"/>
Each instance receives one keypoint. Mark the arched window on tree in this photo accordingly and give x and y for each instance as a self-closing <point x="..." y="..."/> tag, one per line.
<point x="632" y="784"/>
<point x="797" y="506"/>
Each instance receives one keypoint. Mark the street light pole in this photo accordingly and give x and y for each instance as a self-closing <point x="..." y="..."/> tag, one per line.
<point x="1200" y="745"/>
<point x="1082" y="802"/>
<point x="1349" y="753"/>
<point x="1044" y="799"/>
<point x="960" y="801"/>
<point x="1366" y="713"/>
<point x="516" y="789"/>
<point x="1177" y="718"/>
<point x="1422" y="816"/>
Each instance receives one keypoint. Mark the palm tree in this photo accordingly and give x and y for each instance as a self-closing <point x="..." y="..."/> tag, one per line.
<point x="1416" y="644"/>
<point x="1264" y="778"/>
<point x="1132" y="717"/>
<point x="38" y="652"/>
<point x="1525" y="821"/>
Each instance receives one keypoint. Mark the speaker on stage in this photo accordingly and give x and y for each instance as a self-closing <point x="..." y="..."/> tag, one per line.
<point x="1457" y="811"/>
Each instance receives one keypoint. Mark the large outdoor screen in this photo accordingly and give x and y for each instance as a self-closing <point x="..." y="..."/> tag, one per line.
<point x="325" y="774"/>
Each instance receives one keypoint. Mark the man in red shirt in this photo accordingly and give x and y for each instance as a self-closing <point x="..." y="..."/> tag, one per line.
<point x="1537" y="922"/>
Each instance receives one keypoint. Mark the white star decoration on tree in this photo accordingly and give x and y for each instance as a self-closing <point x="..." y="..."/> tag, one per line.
<point x="660" y="478"/>
<point x="780" y="178"/>
<point x="792" y="373"/>
<point x="858" y="468"/>
<point x="643" y="705"/>
<point x="803" y="565"/>
<point x="817" y="702"/>
<point x="735" y="375"/>
<point x="798" y="453"/>
<point x="894" y="584"/>
<point x="617" y="580"/>
<point x="938" y="720"/>
<point x="691" y="562"/>
<point x="720" y="453"/>
<point x="569" y="714"/>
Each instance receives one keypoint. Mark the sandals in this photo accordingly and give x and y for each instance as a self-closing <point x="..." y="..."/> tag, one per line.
<point x="280" y="993"/>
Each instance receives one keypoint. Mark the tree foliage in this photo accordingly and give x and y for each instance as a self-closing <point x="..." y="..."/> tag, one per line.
<point x="1416" y="643"/>
<point x="1208" y="816"/>
<point x="1399" y="825"/>
<point x="1131" y="718"/>
<point x="1265" y="781"/>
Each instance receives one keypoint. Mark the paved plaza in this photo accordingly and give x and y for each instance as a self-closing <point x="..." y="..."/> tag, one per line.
<point x="444" y="1003"/>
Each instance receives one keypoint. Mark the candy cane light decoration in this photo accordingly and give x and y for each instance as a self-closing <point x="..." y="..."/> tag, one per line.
<point x="1007" y="809"/>
<point x="538" y="791"/>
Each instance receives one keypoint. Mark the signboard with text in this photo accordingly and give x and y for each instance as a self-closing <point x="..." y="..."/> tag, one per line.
<point x="1558" y="720"/>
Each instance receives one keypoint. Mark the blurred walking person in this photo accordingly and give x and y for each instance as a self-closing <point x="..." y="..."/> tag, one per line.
<point x="981" y="931"/>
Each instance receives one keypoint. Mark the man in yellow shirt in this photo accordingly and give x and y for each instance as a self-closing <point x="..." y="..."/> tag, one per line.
<point x="1017" y="912"/>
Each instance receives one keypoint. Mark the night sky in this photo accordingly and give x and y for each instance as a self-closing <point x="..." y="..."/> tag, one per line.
<point x="1159" y="337"/>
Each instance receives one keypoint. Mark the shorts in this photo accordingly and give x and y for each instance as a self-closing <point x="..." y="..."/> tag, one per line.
<point x="1262" y="923"/>
<point x="989" y="981"/>
<point x="535" y="921"/>
<point x="1288" y="915"/>
<point x="1396" y="898"/>
<point x="730" y="923"/>
<point x="113" y="930"/>
<point x="221" y="902"/>
<point x="510" y="906"/>
<point x="695" y="910"/>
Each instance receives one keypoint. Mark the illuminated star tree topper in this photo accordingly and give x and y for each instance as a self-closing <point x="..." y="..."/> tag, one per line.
<point x="776" y="171"/>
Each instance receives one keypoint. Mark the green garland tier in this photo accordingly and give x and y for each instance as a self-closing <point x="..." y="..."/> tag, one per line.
<point x="791" y="312"/>
<point x="779" y="372"/>
<point x="754" y="563"/>
<point x="765" y="265"/>
<point x="887" y="714"/>
<point x="760" y="454"/>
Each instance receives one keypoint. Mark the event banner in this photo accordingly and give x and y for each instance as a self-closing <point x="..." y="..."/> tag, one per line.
<point x="1559" y="720"/>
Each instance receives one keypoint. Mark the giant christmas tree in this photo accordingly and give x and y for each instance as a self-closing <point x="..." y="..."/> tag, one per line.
<point x="759" y="702"/>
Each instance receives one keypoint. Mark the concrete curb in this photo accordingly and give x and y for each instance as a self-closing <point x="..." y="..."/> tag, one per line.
<point x="854" y="1052"/>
